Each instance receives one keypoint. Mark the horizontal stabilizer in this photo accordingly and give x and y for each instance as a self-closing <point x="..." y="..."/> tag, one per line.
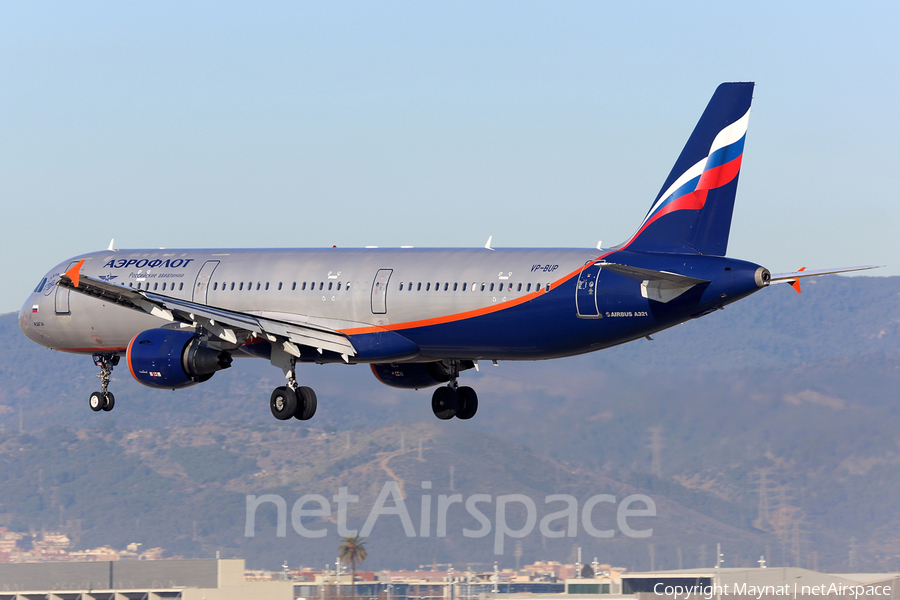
<point x="660" y="286"/>
<point x="794" y="278"/>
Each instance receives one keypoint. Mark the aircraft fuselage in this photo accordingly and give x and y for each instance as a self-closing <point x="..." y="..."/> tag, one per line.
<point x="505" y="304"/>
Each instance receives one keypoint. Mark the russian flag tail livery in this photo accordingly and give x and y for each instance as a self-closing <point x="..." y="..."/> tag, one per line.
<point x="692" y="213"/>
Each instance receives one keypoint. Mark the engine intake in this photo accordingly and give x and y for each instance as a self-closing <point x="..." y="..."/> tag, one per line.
<point x="169" y="359"/>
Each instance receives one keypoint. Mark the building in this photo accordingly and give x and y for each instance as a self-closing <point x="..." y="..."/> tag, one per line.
<point x="195" y="579"/>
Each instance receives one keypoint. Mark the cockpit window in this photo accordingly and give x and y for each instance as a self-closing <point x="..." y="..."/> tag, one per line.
<point x="40" y="286"/>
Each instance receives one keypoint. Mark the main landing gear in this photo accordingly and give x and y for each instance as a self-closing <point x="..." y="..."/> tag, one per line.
<point x="452" y="400"/>
<point x="293" y="400"/>
<point x="104" y="399"/>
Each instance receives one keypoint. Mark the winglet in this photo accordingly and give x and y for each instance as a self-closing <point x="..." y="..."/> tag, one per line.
<point x="796" y="283"/>
<point x="488" y="244"/>
<point x="75" y="272"/>
<point x="111" y="242"/>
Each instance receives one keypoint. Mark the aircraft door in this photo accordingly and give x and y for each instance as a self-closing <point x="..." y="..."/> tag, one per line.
<point x="379" y="291"/>
<point x="201" y="285"/>
<point x="62" y="295"/>
<point x="586" y="292"/>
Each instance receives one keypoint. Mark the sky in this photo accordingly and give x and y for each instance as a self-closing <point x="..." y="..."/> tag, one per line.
<point x="292" y="124"/>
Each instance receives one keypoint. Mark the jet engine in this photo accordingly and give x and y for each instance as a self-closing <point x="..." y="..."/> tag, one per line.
<point x="171" y="359"/>
<point x="416" y="375"/>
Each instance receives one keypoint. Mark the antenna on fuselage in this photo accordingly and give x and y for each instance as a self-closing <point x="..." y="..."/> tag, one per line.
<point x="488" y="244"/>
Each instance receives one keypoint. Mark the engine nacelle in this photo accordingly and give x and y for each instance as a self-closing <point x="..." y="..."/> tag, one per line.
<point x="416" y="375"/>
<point x="171" y="359"/>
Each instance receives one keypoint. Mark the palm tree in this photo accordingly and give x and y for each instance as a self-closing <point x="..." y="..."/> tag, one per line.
<point x="352" y="551"/>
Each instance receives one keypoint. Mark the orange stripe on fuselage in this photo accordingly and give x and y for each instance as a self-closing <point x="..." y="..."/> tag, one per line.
<point x="469" y="314"/>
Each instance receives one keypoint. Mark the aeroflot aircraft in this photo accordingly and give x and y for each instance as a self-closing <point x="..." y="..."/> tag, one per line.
<point x="418" y="317"/>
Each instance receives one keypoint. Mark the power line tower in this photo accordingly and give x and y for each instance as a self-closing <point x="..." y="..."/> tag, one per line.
<point x="763" y="517"/>
<point x="655" y="446"/>
<point x="797" y="540"/>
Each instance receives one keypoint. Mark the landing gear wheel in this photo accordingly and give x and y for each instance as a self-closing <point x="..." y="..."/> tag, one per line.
<point x="306" y="404"/>
<point x="283" y="403"/>
<point x="444" y="403"/>
<point x="104" y="400"/>
<point x="468" y="403"/>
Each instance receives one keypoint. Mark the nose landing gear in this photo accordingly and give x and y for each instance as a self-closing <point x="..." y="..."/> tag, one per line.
<point x="452" y="400"/>
<point x="104" y="399"/>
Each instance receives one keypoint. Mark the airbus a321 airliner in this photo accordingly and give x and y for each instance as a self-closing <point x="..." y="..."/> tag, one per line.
<point x="417" y="317"/>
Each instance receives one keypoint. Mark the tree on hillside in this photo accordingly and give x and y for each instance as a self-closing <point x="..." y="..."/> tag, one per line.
<point x="352" y="551"/>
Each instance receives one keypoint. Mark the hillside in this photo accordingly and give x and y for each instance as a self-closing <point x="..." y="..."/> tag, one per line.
<point x="798" y="392"/>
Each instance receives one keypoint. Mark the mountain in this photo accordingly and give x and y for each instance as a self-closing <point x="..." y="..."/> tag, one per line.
<point x="769" y="427"/>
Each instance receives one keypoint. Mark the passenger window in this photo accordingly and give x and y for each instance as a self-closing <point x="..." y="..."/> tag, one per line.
<point x="180" y="286"/>
<point x="492" y="287"/>
<point x="437" y="286"/>
<point x="419" y="287"/>
<point x="40" y="286"/>
<point x="294" y="286"/>
<point x="232" y="286"/>
<point x="509" y="287"/>
<point x="347" y="286"/>
<point x="267" y="286"/>
<point x="130" y="284"/>
<point x="528" y="289"/>
<point x="330" y="283"/>
<point x="428" y="287"/>
<point x="401" y="286"/>
<point x="155" y="286"/>
<point x="446" y="286"/>
<point x="339" y="286"/>
<point x="279" y="286"/>
<point x="482" y="287"/>
<point x="242" y="287"/>
<point x="464" y="286"/>
<point x="548" y="287"/>
<point x="303" y="287"/>
<point x="519" y="289"/>
<point x="258" y="285"/>
<point x="215" y="286"/>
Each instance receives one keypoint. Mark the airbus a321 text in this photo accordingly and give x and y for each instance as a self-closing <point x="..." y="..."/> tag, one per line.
<point x="417" y="317"/>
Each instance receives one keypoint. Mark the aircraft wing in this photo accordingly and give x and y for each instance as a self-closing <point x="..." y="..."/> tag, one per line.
<point x="794" y="278"/>
<point x="661" y="286"/>
<point x="231" y="326"/>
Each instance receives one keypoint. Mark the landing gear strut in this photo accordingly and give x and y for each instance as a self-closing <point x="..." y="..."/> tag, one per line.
<point x="452" y="400"/>
<point x="293" y="400"/>
<point x="104" y="399"/>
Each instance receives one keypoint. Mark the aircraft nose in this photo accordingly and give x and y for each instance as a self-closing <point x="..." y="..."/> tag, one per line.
<point x="30" y="311"/>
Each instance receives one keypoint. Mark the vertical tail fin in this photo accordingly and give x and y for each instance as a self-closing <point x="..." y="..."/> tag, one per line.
<point x="692" y="213"/>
